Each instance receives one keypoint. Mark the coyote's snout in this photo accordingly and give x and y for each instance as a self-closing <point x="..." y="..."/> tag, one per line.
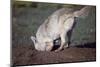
<point x="56" y="26"/>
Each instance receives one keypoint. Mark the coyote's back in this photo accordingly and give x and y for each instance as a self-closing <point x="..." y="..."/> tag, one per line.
<point x="56" y="26"/>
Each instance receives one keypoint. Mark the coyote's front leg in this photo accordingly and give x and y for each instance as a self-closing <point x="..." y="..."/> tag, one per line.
<point x="49" y="46"/>
<point x="62" y="42"/>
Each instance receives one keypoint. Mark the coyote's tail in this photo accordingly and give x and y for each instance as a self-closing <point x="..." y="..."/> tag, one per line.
<point x="82" y="12"/>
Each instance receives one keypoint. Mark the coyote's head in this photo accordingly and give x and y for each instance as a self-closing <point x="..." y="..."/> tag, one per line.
<point x="41" y="46"/>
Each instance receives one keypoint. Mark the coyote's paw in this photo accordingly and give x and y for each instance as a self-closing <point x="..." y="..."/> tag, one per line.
<point x="57" y="50"/>
<point x="66" y="46"/>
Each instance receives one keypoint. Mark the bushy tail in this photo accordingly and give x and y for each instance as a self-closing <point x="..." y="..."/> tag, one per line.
<point x="82" y="12"/>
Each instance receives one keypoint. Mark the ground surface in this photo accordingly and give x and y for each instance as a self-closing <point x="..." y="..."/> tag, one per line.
<point x="27" y="55"/>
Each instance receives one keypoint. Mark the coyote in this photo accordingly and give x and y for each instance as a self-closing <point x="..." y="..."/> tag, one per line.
<point x="57" y="25"/>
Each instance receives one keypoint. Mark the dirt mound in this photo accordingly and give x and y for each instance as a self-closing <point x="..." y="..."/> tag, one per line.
<point x="27" y="55"/>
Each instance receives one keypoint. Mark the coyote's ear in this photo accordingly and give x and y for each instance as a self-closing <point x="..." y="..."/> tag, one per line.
<point x="33" y="39"/>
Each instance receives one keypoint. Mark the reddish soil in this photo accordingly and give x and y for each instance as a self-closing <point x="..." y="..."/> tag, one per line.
<point x="27" y="55"/>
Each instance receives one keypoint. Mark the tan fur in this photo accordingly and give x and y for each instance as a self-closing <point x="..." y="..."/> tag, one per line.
<point x="55" y="26"/>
